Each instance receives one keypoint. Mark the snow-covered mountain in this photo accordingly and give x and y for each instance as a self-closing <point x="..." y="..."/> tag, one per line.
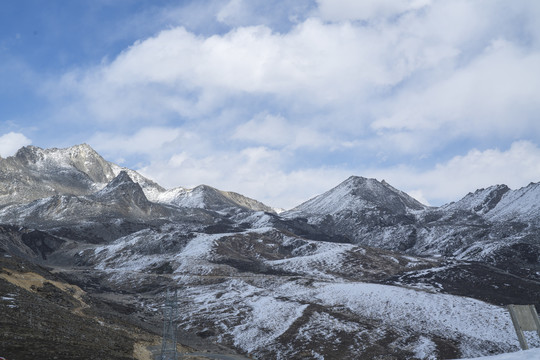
<point x="35" y="173"/>
<point x="481" y="201"/>
<point x="495" y="225"/>
<point x="361" y="271"/>
<point x="121" y="198"/>
<point x="500" y="203"/>
<point x="207" y="197"/>
<point x="358" y="194"/>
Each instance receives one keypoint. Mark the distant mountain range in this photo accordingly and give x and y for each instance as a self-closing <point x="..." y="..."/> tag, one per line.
<point x="361" y="271"/>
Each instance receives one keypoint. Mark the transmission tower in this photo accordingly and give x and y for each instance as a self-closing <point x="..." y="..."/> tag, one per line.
<point x="170" y="312"/>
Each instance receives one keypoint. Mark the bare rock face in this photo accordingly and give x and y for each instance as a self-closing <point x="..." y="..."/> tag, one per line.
<point x="124" y="190"/>
<point x="34" y="173"/>
<point x="88" y="161"/>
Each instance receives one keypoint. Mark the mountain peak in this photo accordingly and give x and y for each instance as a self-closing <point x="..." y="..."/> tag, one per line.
<point x="208" y="197"/>
<point x="123" y="188"/>
<point x="29" y="154"/>
<point x="84" y="158"/>
<point x="358" y="193"/>
<point x="518" y="205"/>
<point x="81" y="157"/>
<point x="123" y="176"/>
<point x="481" y="201"/>
<point x="121" y="180"/>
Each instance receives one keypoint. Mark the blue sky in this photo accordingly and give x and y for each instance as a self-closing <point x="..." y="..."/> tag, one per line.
<point x="281" y="100"/>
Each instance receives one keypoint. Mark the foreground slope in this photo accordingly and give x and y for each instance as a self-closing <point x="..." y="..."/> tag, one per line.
<point x="273" y="295"/>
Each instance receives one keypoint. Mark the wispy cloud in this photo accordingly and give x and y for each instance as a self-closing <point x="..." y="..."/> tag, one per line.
<point x="276" y="131"/>
<point x="340" y="10"/>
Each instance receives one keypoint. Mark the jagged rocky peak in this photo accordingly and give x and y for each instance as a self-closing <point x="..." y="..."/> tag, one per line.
<point x="519" y="205"/>
<point x="121" y="179"/>
<point x="151" y="189"/>
<point x="86" y="159"/>
<point x="81" y="157"/>
<point x="122" y="184"/>
<point x="359" y="193"/>
<point x="500" y="203"/>
<point x="30" y="154"/>
<point x="481" y="201"/>
<point x="122" y="189"/>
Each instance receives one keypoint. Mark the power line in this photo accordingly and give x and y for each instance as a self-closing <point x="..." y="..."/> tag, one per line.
<point x="170" y="313"/>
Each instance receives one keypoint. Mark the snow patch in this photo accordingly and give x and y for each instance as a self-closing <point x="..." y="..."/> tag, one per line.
<point x="520" y="355"/>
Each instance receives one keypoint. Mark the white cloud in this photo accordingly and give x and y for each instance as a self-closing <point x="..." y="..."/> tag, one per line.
<point x="177" y="72"/>
<point x="255" y="172"/>
<point x="147" y="141"/>
<point x="434" y="69"/>
<point x="11" y="142"/>
<point x="339" y="10"/>
<point x="497" y="93"/>
<point x="276" y="131"/>
<point x="450" y="181"/>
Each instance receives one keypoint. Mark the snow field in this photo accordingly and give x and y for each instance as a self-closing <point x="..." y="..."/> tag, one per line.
<point x="255" y="312"/>
<point x="314" y="262"/>
<point x="434" y="313"/>
<point x="257" y="316"/>
<point x="531" y="354"/>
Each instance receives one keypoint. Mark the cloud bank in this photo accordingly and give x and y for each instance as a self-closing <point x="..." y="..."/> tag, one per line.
<point x="412" y="91"/>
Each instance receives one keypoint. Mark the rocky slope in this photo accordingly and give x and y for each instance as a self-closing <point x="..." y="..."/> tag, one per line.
<point x="495" y="225"/>
<point x="361" y="271"/>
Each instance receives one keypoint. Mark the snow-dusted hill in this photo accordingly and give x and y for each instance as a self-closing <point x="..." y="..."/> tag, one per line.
<point x="495" y="225"/>
<point x="357" y="194"/>
<point x="274" y="295"/>
<point x="519" y="205"/>
<point x="207" y="197"/>
<point x="499" y="203"/>
<point x="481" y="201"/>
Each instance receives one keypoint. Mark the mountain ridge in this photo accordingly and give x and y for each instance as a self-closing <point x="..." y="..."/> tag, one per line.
<point x="315" y="280"/>
<point x="88" y="172"/>
<point x="86" y="161"/>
